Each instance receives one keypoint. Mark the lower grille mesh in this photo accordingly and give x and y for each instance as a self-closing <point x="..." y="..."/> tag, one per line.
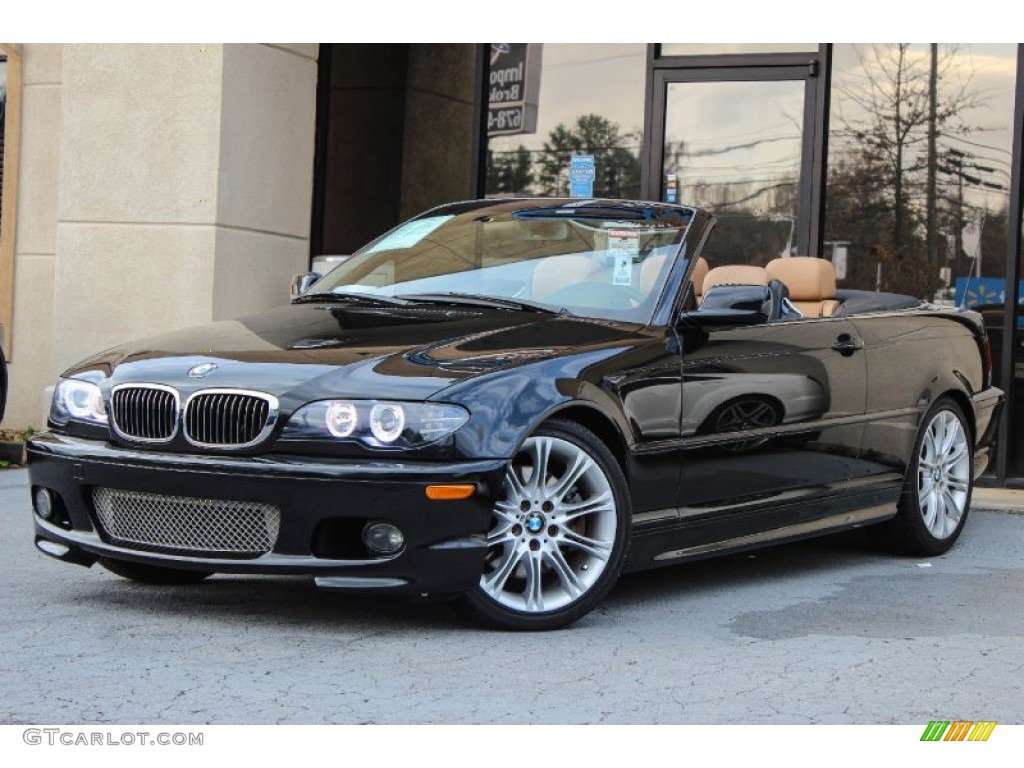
<point x="187" y="524"/>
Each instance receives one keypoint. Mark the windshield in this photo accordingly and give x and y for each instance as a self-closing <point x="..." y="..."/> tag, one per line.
<point x="606" y="260"/>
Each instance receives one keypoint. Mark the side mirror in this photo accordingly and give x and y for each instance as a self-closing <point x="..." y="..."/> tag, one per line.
<point x="301" y="283"/>
<point x="730" y="305"/>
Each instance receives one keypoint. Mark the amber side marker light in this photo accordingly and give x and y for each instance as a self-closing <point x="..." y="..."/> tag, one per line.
<point x="449" y="492"/>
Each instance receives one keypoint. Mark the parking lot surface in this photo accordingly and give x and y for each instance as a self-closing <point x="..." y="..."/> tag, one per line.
<point x="820" y="632"/>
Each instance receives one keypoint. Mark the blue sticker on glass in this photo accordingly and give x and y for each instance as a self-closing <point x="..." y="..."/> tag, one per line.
<point x="582" y="172"/>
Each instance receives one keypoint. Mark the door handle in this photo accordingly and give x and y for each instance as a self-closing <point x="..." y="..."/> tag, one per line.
<point x="846" y="344"/>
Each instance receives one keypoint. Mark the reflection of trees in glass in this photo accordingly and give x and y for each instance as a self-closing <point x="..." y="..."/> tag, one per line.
<point x="894" y="193"/>
<point x="510" y="172"/>
<point x="860" y="211"/>
<point x="545" y="171"/>
<point x="618" y="166"/>
<point x="744" y="237"/>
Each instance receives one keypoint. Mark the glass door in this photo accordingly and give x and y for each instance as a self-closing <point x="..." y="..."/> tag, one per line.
<point x="741" y="143"/>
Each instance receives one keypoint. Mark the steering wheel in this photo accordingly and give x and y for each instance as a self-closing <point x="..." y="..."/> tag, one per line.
<point x="598" y="295"/>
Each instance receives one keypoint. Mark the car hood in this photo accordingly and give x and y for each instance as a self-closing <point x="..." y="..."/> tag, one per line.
<point x="309" y="351"/>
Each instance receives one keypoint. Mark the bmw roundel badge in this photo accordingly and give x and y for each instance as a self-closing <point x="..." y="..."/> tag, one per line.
<point x="204" y="369"/>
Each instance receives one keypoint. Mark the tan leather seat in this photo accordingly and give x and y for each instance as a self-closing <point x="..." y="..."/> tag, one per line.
<point x="557" y="272"/>
<point x="649" y="271"/>
<point x="700" y="271"/>
<point x="651" y="267"/>
<point x="735" y="274"/>
<point x="811" y="283"/>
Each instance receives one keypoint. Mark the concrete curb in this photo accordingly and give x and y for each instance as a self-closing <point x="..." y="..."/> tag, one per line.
<point x="998" y="500"/>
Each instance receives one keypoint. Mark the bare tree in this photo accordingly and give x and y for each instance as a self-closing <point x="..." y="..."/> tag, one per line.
<point x="901" y="104"/>
<point x="896" y="110"/>
<point x="510" y="171"/>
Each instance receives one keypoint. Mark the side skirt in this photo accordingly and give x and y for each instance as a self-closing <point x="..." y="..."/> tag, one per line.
<point x="686" y="543"/>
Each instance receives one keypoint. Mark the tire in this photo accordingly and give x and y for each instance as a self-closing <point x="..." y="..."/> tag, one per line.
<point x="151" y="574"/>
<point x="936" y="496"/>
<point x="555" y="550"/>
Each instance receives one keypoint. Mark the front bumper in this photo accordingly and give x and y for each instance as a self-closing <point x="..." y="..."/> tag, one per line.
<point x="444" y="540"/>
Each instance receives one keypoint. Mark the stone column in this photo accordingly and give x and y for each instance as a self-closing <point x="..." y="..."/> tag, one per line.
<point x="35" y="236"/>
<point x="186" y="176"/>
<point x="438" y="149"/>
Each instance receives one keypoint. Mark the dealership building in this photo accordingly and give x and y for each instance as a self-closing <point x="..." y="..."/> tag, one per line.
<point x="152" y="187"/>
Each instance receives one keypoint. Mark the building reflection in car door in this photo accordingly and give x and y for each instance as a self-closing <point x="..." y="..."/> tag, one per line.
<point x="771" y="414"/>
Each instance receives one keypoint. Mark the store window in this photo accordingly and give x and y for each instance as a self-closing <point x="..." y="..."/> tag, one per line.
<point x="920" y="146"/>
<point x="735" y="149"/>
<point x="718" y="49"/>
<point x="551" y="102"/>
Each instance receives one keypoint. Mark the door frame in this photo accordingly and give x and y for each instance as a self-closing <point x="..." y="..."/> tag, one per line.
<point x="814" y="68"/>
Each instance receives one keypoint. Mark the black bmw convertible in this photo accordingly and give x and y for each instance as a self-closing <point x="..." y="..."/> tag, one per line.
<point x="508" y="404"/>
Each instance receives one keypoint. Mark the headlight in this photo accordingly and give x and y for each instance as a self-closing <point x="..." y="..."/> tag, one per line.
<point x="375" y="424"/>
<point x="341" y="419"/>
<point x="387" y="421"/>
<point x="77" y="400"/>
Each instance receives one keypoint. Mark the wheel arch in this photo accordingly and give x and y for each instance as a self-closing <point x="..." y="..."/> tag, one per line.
<point x="598" y="422"/>
<point x="961" y="399"/>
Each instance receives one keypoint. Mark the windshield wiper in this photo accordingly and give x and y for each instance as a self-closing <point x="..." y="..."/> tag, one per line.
<point x="482" y="300"/>
<point x="354" y="298"/>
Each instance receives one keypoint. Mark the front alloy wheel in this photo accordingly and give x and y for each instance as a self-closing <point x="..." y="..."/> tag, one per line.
<point x="558" y="536"/>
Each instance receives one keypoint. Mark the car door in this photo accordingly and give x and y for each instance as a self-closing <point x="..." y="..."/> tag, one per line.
<point x="771" y="424"/>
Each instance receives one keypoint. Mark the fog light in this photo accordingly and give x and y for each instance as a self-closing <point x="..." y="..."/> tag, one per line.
<point x="383" y="538"/>
<point x="42" y="501"/>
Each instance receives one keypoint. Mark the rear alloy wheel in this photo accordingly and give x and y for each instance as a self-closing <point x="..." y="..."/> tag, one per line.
<point x="937" y="492"/>
<point x="151" y="574"/>
<point x="558" y="536"/>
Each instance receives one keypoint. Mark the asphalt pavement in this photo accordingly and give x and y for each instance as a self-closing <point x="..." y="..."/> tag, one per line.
<point x="818" y="632"/>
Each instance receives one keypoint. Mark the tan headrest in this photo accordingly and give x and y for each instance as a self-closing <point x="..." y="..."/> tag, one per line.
<point x="735" y="274"/>
<point x="700" y="272"/>
<point x="806" y="277"/>
<point x="557" y="272"/>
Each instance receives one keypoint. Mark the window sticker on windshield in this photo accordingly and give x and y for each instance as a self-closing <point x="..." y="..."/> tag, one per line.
<point x="624" y="244"/>
<point x="623" y="273"/>
<point x="409" y="234"/>
<point x="624" y="248"/>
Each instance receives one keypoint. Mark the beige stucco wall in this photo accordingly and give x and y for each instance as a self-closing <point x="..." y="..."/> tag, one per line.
<point x="35" y="242"/>
<point x="170" y="185"/>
